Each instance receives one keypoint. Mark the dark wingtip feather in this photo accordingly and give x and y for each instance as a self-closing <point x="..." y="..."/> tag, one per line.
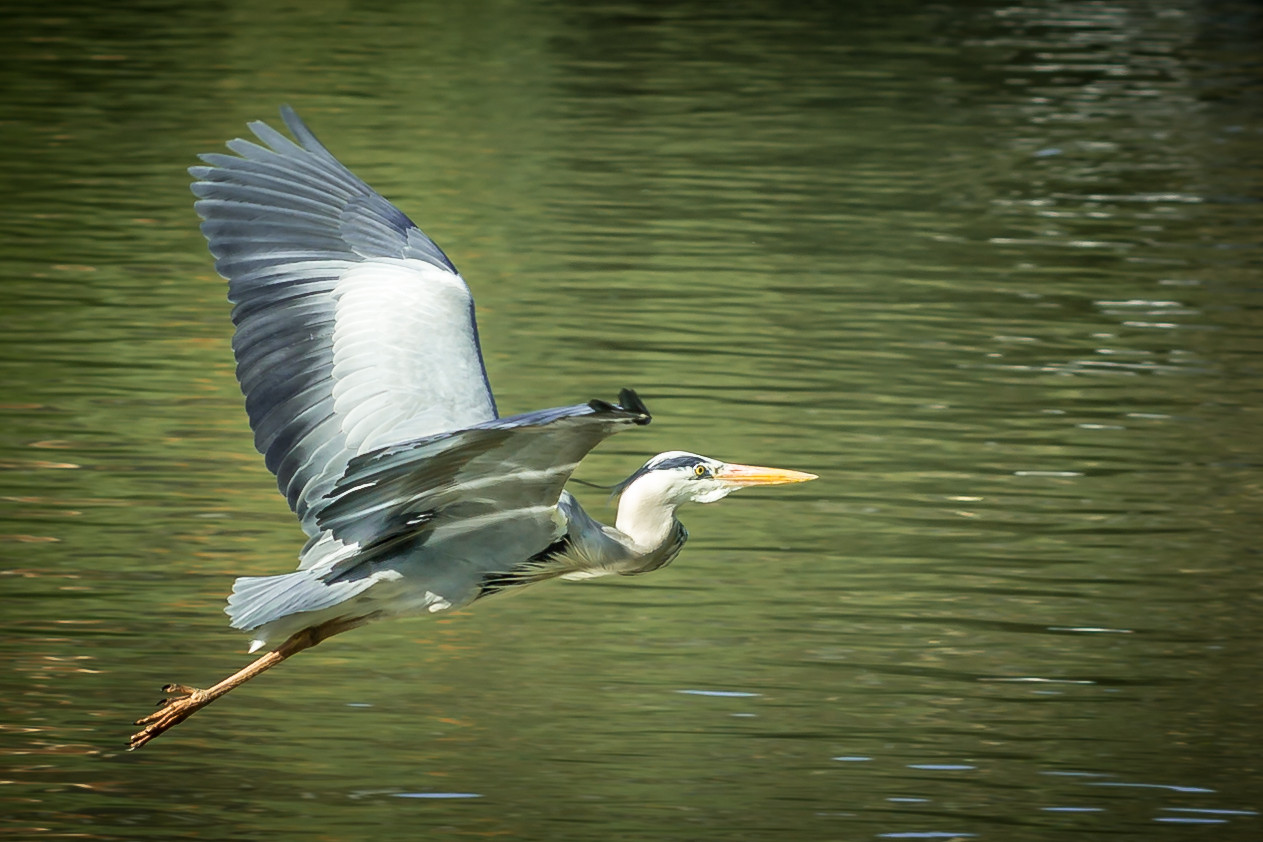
<point x="631" y="402"/>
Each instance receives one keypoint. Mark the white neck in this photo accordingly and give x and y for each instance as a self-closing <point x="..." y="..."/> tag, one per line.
<point x="645" y="512"/>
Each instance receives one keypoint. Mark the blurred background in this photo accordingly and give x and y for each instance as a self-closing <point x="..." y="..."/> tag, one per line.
<point x="991" y="269"/>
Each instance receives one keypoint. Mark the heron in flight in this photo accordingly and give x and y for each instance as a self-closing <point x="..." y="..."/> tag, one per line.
<point x="358" y="355"/>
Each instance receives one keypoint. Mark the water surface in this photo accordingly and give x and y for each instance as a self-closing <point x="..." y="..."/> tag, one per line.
<point x="991" y="270"/>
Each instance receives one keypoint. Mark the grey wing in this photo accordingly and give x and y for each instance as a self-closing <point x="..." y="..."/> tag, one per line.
<point x="354" y="330"/>
<point x="499" y="482"/>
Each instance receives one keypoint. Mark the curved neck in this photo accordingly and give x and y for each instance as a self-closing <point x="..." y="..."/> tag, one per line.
<point x="645" y="514"/>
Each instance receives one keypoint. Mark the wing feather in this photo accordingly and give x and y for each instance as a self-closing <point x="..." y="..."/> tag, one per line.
<point x="320" y="267"/>
<point x="505" y="468"/>
<point x="284" y="180"/>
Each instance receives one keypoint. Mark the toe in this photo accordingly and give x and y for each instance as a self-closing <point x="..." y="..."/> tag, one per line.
<point x="153" y="717"/>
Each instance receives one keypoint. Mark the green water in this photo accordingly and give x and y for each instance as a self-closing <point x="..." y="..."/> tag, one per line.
<point x="992" y="271"/>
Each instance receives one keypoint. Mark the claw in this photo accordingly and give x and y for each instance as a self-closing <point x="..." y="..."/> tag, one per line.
<point x="179" y="689"/>
<point x="170" y="712"/>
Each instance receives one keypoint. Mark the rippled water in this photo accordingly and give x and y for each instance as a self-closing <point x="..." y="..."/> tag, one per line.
<point x="992" y="271"/>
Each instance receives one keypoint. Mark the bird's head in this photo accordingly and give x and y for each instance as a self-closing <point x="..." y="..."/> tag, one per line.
<point x="676" y="477"/>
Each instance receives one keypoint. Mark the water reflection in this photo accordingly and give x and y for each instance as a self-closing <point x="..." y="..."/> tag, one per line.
<point x="835" y="237"/>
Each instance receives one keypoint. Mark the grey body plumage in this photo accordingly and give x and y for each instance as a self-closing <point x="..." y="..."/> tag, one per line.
<point x="424" y="525"/>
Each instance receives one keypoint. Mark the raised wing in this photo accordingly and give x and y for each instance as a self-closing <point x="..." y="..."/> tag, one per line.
<point x="354" y="330"/>
<point x="499" y="476"/>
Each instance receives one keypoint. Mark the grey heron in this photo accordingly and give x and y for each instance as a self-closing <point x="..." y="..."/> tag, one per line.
<point x="358" y="354"/>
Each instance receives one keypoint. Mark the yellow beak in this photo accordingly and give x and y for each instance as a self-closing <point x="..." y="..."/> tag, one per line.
<point x="746" y="475"/>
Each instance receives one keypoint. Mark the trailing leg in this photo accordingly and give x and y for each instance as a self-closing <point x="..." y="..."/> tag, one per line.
<point x="184" y="701"/>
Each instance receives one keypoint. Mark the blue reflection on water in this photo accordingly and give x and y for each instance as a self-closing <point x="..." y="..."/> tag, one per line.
<point x="940" y="767"/>
<point x="437" y="795"/>
<point x="1215" y="812"/>
<point x="1181" y="820"/>
<point x="1152" y="786"/>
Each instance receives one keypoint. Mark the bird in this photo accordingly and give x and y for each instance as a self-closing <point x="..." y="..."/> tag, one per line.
<point x="358" y="355"/>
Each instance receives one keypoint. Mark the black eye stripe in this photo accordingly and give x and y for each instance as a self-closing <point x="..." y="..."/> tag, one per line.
<point x="676" y="462"/>
<point x="686" y="461"/>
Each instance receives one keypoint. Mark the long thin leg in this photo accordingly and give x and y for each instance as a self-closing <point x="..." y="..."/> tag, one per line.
<point x="186" y="701"/>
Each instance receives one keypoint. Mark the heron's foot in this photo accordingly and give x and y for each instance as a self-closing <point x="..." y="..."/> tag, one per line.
<point x="182" y="702"/>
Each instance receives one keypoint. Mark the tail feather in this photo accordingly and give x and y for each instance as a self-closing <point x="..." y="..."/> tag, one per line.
<point x="259" y="600"/>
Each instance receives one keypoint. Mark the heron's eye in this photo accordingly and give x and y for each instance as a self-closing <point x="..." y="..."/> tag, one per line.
<point x="700" y="471"/>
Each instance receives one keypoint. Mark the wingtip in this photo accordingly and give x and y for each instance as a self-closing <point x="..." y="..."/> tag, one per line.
<point x="292" y="121"/>
<point x="630" y="401"/>
<point x="304" y="135"/>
